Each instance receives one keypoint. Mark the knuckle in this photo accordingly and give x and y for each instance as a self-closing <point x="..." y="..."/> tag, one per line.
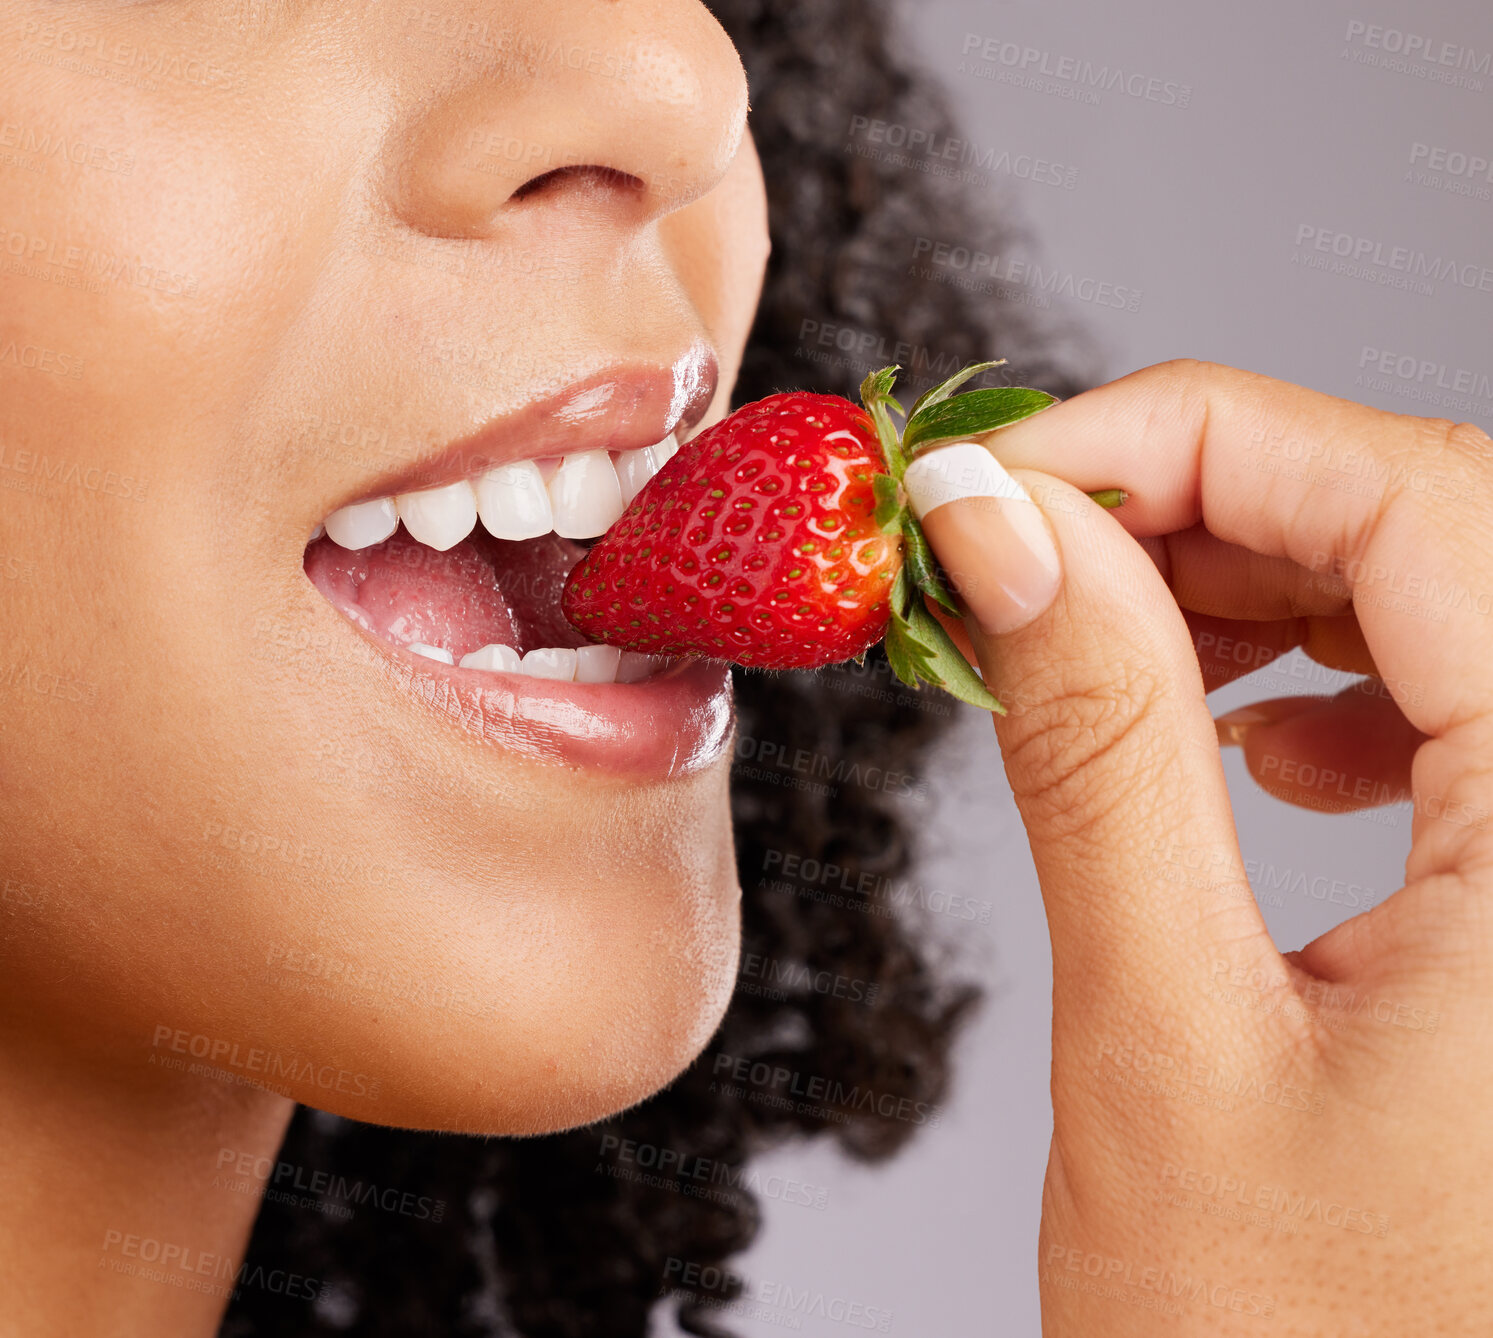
<point x="1182" y="381"/>
<point x="1434" y="462"/>
<point x="1184" y="369"/>
<point x="1189" y="391"/>
<point x="1468" y="441"/>
<point x="1198" y="376"/>
<point x="1073" y="755"/>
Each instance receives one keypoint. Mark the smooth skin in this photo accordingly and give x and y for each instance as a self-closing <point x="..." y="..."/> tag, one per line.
<point x="1187" y="1050"/>
<point x="345" y="273"/>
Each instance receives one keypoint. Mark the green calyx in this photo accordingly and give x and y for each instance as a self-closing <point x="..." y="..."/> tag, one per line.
<point x="918" y="648"/>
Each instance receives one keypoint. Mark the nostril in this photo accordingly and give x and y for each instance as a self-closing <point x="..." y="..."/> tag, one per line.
<point x="586" y="176"/>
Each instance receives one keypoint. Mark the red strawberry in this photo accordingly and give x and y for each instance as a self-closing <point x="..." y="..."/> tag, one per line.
<point x="780" y="539"/>
<point x="756" y="543"/>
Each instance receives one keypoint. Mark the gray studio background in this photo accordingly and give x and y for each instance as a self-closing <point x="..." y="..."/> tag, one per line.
<point x="1297" y="117"/>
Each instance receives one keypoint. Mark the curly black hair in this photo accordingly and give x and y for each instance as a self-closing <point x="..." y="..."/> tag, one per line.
<point x="580" y="1234"/>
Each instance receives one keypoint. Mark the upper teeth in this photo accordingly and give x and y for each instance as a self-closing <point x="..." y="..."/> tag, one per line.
<point x="580" y="497"/>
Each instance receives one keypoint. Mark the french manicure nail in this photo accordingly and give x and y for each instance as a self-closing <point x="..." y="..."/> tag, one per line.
<point x="1236" y="724"/>
<point x="988" y="533"/>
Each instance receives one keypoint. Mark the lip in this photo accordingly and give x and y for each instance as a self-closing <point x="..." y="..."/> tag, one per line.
<point x="672" y="725"/>
<point x="621" y="409"/>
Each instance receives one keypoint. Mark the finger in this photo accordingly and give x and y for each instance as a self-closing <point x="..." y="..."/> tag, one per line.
<point x="1334" y="754"/>
<point x="1227" y="649"/>
<point x="1247" y="609"/>
<point x="1208" y="575"/>
<point x="1395" y="505"/>
<point x="1230" y="648"/>
<point x="1338" y="643"/>
<point x="1108" y="743"/>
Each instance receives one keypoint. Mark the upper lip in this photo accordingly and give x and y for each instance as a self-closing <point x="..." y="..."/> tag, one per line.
<point x="626" y="407"/>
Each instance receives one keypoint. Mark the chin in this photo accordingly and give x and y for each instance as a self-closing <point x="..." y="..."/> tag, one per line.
<point x="521" y="1005"/>
<point x="598" y="1062"/>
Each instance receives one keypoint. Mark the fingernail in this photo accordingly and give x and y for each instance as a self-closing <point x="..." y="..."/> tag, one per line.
<point x="1236" y="724"/>
<point x="1233" y="726"/>
<point x="987" y="532"/>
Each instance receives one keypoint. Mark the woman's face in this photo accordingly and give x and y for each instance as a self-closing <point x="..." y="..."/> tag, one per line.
<point x="264" y="259"/>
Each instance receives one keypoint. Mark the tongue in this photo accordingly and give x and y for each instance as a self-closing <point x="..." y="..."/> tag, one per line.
<point x="485" y="591"/>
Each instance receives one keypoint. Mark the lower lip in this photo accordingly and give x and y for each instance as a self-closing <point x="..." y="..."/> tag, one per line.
<point x="674" y="724"/>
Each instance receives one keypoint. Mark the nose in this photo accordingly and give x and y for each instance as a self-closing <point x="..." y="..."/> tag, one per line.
<point x="633" y="108"/>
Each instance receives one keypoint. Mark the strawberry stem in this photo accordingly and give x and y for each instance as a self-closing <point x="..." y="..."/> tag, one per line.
<point x="876" y="395"/>
<point x="918" y="648"/>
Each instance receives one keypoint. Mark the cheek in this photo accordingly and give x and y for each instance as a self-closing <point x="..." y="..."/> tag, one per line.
<point x="719" y="247"/>
<point x="148" y="324"/>
<point x="156" y="306"/>
<point x="169" y="238"/>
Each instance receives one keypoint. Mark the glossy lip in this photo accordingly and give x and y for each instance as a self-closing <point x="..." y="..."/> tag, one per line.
<point x="674" y="724"/>
<point x="671" y="725"/>
<point x="621" y="409"/>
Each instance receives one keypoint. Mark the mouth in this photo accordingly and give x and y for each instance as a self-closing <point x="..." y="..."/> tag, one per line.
<point x="470" y="574"/>
<point x="454" y="569"/>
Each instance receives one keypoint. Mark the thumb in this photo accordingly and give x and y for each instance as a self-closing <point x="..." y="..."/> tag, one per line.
<point x="1109" y="746"/>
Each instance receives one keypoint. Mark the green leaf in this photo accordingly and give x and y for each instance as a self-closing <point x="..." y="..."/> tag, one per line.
<point x="902" y="591"/>
<point x="971" y="414"/>
<point x="890" y="508"/>
<point x="878" y="386"/>
<point x="940" y="393"/>
<point x="900" y="653"/>
<point x="921" y="567"/>
<point x="938" y="660"/>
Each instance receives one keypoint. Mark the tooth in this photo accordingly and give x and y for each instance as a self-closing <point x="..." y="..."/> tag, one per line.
<point x="556" y="662"/>
<point x="498" y="659"/>
<point x="431" y="652"/>
<point x="513" y="501"/>
<point x="597" y="664"/>
<point x="635" y="667"/>
<point x="439" y="518"/>
<point x="585" y="495"/>
<point x="635" y="468"/>
<point x="316" y="534"/>
<point x="667" y="449"/>
<point x="363" y="525"/>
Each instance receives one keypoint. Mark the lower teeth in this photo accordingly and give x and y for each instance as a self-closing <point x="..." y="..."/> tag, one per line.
<point x="586" y="664"/>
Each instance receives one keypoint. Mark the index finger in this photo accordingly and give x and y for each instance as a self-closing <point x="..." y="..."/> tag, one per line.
<point x="1395" y="506"/>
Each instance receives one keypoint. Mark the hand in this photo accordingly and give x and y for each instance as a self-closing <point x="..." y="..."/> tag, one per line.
<point x="1209" y="1091"/>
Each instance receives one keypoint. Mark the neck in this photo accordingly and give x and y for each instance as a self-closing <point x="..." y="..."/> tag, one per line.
<point x="115" y="1215"/>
